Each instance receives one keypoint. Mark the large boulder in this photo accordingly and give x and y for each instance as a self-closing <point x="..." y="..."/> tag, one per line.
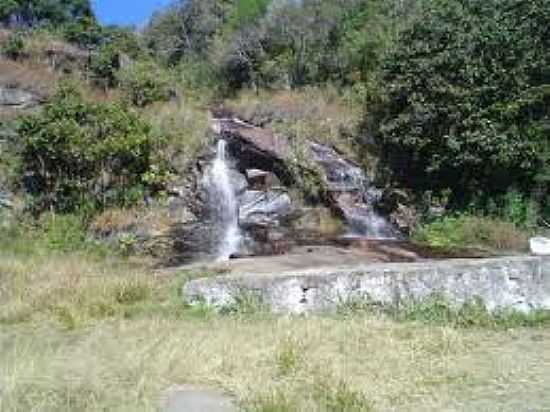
<point x="259" y="208"/>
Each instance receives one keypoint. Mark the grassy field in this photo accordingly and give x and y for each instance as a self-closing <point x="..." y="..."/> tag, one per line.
<point x="80" y="332"/>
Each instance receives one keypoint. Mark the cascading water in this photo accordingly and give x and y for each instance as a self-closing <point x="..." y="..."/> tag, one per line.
<point x="354" y="194"/>
<point x="223" y="202"/>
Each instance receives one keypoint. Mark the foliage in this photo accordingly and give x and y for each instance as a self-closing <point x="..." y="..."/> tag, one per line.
<point x="52" y="12"/>
<point x="468" y="231"/>
<point x="468" y="96"/>
<point x="437" y="310"/>
<point x="82" y="154"/>
<point x="116" y="47"/>
<point x="275" y="44"/>
<point x="144" y="83"/>
<point x="14" y="46"/>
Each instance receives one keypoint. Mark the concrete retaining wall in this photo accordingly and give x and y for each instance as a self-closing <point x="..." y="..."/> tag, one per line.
<point x="520" y="283"/>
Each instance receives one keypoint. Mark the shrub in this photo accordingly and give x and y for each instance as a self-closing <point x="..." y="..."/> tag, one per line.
<point x="83" y="155"/>
<point x="466" y="231"/>
<point x="461" y="112"/>
<point x="14" y="46"/>
<point x="144" y="83"/>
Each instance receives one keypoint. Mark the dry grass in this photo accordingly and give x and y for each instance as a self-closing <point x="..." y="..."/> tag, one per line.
<point x="324" y="115"/>
<point x="119" y="220"/>
<point x="38" y="79"/>
<point x="182" y="128"/>
<point x="81" y="334"/>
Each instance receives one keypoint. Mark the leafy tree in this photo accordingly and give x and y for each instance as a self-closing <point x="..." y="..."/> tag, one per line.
<point x="52" y="12"/>
<point x="78" y="153"/>
<point x="145" y="82"/>
<point x="468" y="96"/>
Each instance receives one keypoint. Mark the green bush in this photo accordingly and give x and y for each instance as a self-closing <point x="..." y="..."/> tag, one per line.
<point x="144" y="82"/>
<point x="14" y="46"/>
<point x="467" y="231"/>
<point x="468" y="97"/>
<point x="83" y="155"/>
<point x="115" y="45"/>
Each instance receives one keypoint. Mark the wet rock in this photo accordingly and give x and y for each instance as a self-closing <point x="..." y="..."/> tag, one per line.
<point x="238" y="181"/>
<point x="255" y="148"/>
<point x="257" y="208"/>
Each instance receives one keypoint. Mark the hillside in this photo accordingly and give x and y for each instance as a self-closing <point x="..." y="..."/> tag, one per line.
<point x="264" y="141"/>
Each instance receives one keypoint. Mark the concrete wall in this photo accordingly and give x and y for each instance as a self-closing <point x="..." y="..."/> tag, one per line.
<point x="520" y="283"/>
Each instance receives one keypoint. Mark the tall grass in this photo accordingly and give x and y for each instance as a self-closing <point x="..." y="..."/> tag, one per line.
<point x="469" y="231"/>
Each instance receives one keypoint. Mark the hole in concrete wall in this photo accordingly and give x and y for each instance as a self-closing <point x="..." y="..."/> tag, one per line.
<point x="304" y="295"/>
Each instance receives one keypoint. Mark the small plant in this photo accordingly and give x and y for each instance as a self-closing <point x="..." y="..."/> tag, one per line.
<point x="127" y="243"/>
<point x="341" y="398"/>
<point x="63" y="232"/>
<point x="144" y="83"/>
<point x="355" y="304"/>
<point x="130" y="293"/>
<point x="14" y="46"/>
<point x="273" y="402"/>
<point x="245" y="303"/>
<point x="288" y="357"/>
<point x="436" y="309"/>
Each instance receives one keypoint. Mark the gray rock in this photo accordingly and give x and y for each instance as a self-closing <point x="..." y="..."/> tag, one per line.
<point x="192" y="399"/>
<point x="519" y="283"/>
<point x="5" y="200"/>
<point x="259" y="208"/>
<point x="238" y="181"/>
<point x="17" y="98"/>
<point x="261" y="179"/>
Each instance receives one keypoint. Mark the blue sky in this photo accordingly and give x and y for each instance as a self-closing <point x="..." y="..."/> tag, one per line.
<point x="126" y="12"/>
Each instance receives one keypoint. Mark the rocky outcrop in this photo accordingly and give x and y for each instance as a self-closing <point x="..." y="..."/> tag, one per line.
<point x="263" y="208"/>
<point x="519" y="283"/>
<point x="18" y="98"/>
<point x="345" y="187"/>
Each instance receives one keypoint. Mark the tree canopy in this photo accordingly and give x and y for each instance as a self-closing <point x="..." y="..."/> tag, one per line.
<point x="468" y="96"/>
<point x="35" y="12"/>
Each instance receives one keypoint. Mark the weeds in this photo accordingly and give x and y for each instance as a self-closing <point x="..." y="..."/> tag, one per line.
<point x="289" y="356"/>
<point x="467" y="231"/>
<point x="245" y="303"/>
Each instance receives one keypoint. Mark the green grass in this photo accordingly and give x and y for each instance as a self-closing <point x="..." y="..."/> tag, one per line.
<point x="474" y="232"/>
<point x="85" y="332"/>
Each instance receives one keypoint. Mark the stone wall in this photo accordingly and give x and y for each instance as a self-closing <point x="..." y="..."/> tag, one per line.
<point x="519" y="283"/>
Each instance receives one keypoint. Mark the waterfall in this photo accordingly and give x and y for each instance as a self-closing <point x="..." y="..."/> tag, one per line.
<point x="223" y="202"/>
<point x="353" y="193"/>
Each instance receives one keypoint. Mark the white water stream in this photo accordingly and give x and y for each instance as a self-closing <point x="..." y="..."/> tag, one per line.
<point x="224" y="202"/>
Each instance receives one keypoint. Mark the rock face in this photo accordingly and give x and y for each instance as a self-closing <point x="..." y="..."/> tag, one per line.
<point x="347" y="189"/>
<point x="16" y="98"/>
<point x="263" y="208"/>
<point x="257" y="165"/>
<point x="519" y="283"/>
